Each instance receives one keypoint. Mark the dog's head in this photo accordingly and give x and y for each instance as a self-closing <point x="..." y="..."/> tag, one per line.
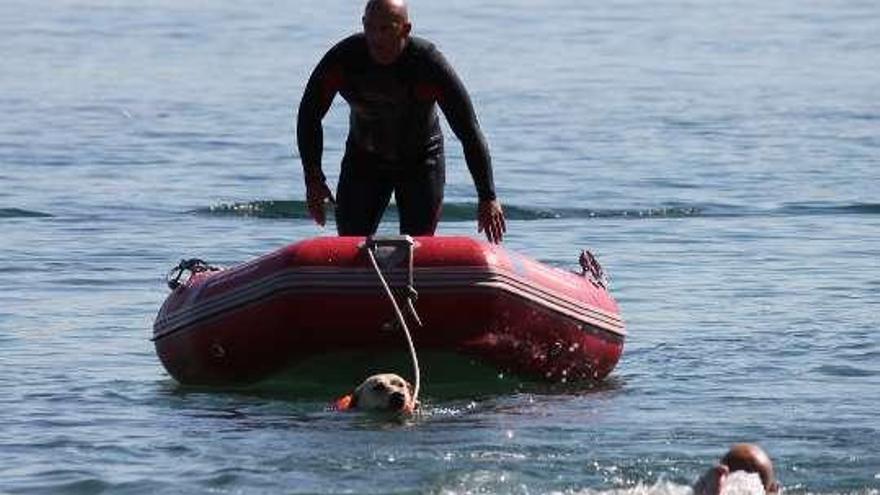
<point x="384" y="392"/>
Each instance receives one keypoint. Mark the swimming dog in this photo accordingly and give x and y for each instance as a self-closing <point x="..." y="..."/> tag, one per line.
<point x="383" y="392"/>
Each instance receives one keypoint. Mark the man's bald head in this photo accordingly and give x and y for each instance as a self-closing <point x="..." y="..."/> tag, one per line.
<point x="394" y="8"/>
<point x="387" y="28"/>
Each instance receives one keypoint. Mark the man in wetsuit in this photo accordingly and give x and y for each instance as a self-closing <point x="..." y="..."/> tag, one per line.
<point x="391" y="82"/>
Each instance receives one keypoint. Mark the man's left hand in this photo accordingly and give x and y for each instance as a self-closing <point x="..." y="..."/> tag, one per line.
<point x="490" y="218"/>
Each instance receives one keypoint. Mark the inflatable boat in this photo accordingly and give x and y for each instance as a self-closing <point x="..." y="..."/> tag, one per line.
<point x="325" y="295"/>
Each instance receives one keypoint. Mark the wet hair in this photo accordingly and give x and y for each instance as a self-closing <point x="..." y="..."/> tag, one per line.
<point x="751" y="459"/>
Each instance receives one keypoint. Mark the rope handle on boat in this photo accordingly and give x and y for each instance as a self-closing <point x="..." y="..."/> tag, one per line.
<point x="192" y="265"/>
<point x="590" y="266"/>
<point x="411" y="295"/>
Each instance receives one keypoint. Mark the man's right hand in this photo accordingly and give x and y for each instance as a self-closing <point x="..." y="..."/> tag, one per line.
<point x="317" y="195"/>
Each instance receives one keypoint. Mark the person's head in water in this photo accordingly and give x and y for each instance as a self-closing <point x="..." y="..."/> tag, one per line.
<point x="752" y="459"/>
<point x="387" y="27"/>
<point x="745" y="457"/>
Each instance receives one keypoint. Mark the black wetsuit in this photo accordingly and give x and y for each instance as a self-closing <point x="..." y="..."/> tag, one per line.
<point x="394" y="142"/>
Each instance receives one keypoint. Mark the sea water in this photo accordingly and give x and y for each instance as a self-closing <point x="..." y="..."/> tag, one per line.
<point x="722" y="159"/>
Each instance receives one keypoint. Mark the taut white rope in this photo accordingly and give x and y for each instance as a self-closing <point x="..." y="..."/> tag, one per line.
<point x="402" y="321"/>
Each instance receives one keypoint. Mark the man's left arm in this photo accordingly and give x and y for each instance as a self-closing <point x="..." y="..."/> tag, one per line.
<point x="456" y="105"/>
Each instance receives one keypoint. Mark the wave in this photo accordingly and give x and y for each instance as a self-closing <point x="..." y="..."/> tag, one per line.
<point x="844" y="371"/>
<point x="465" y="211"/>
<point x="798" y="209"/>
<point x="19" y="213"/>
<point x="452" y="211"/>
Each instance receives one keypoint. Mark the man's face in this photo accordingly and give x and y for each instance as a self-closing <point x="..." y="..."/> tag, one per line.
<point x="386" y="35"/>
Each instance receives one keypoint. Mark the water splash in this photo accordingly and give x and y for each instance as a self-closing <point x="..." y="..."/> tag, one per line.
<point x="738" y="483"/>
<point x="258" y="209"/>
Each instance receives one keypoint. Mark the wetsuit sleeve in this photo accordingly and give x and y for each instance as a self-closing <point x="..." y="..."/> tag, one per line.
<point x="324" y="83"/>
<point x="456" y="105"/>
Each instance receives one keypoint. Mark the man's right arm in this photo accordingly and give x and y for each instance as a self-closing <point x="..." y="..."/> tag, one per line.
<point x="322" y="87"/>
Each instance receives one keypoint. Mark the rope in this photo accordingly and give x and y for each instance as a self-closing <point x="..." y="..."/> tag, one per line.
<point x="401" y="320"/>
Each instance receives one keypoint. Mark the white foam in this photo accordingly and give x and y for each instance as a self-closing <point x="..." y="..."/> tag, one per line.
<point x="738" y="483"/>
<point x="743" y="483"/>
<point x="659" y="488"/>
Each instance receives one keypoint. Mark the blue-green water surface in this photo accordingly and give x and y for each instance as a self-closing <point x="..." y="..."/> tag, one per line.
<point x="721" y="158"/>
